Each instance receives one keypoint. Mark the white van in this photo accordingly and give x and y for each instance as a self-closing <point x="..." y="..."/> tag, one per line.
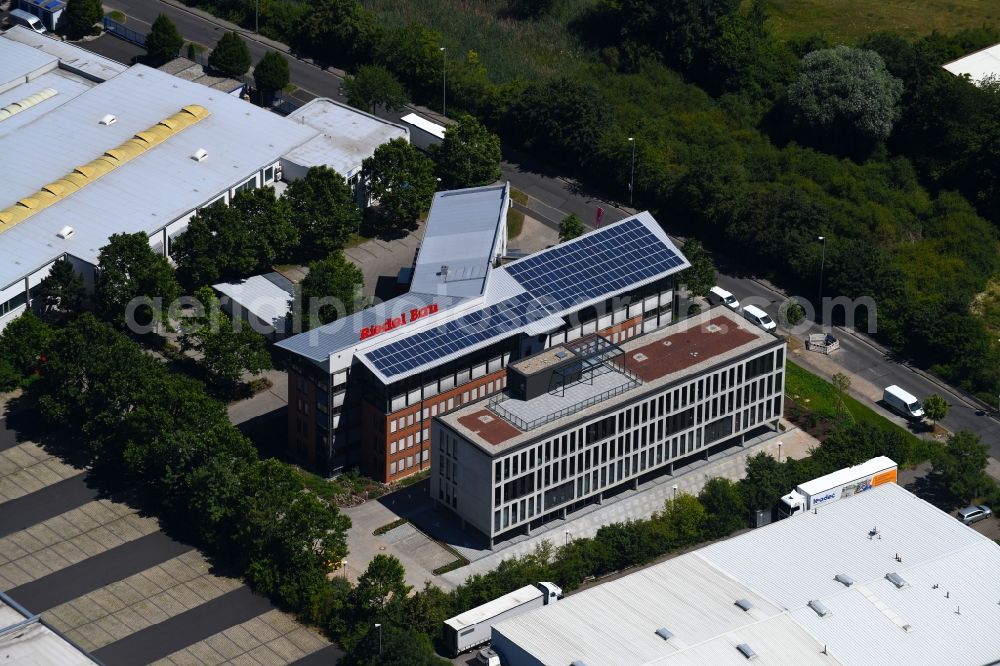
<point x="759" y="317"/>
<point x="902" y="402"/>
<point x="30" y="21"/>
<point x="719" y="296"/>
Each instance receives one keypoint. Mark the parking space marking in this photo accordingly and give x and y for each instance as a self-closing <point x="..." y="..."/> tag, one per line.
<point x="120" y="609"/>
<point x="273" y="637"/>
<point x="27" y="468"/>
<point x="67" y="539"/>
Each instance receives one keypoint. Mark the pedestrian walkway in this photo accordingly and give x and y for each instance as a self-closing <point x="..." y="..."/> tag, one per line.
<point x="26" y="468"/>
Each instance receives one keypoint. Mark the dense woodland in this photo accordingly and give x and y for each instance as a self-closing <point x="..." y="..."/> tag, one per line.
<point x="753" y="144"/>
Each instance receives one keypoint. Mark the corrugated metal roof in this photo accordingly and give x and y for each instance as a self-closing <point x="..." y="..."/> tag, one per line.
<point x="18" y="60"/>
<point x="463" y="233"/>
<point x="68" y="85"/>
<point x="262" y="296"/>
<point x="71" y="56"/>
<point x="347" y="136"/>
<point x="946" y="614"/>
<point x="149" y="192"/>
<point x="977" y="65"/>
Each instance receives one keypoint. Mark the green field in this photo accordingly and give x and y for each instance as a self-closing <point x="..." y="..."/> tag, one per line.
<point x="850" y="20"/>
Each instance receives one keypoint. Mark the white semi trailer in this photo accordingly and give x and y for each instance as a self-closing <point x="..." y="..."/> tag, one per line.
<point x="474" y="626"/>
<point x="837" y="485"/>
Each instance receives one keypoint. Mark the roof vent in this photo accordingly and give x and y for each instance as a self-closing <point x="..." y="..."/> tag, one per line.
<point x="639" y="357"/>
<point x="444" y="271"/>
<point x="746" y="650"/>
<point x="744" y="604"/>
<point x="845" y="579"/>
<point x="664" y="633"/>
<point x="561" y="354"/>
<point x="199" y="155"/>
<point x="66" y="232"/>
<point x="819" y="607"/>
<point x="109" y="119"/>
<point x="486" y="418"/>
<point x="895" y="579"/>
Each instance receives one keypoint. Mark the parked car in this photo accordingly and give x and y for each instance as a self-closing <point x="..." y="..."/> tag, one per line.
<point x="488" y="657"/>
<point x="974" y="513"/>
<point x="719" y="296"/>
<point x="903" y="402"/>
<point x="30" y="21"/>
<point x="756" y="315"/>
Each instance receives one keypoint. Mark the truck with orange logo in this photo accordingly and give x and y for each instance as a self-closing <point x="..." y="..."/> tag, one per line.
<point x="837" y="485"/>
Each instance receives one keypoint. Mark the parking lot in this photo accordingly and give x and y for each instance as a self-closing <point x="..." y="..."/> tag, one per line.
<point x="120" y="588"/>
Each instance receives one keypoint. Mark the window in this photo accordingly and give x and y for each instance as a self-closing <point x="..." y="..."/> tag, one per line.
<point x="269" y="174"/>
<point x="248" y="185"/>
<point x="392" y="468"/>
<point x="392" y="447"/>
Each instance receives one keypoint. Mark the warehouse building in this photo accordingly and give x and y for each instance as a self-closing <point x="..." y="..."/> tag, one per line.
<point x="979" y="65"/>
<point x="880" y="578"/>
<point x="364" y="388"/>
<point x="587" y="418"/>
<point x="138" y="151"/>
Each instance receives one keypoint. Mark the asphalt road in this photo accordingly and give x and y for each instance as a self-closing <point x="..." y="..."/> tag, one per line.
<point x="554" y="197"/>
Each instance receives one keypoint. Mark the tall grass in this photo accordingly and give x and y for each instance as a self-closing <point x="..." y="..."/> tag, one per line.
<point x="508" y="47"/>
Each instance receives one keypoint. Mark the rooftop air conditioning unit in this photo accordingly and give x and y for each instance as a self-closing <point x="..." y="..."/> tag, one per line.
<point x="109" y="120"/>
<point x="66" y="232"/>
<point x="199" y="155"/>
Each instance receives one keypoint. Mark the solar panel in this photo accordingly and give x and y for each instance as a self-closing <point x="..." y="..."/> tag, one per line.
<point x="427" y="346"/>
<point x="599" y="263"/>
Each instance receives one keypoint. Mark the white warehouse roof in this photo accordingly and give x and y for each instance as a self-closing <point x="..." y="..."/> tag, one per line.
<point x="72" y="57"/>
<point x="977" y="65"/>
<point x="27" y="641"/>
<point x="946" y="612"/>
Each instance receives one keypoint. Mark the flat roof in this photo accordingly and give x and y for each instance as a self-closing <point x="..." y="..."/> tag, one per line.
<point x="431" y="128"/>
<point x="65" y="84"/>
<point x="658" y="359"/>
<point x="268" y="297"/>
<point x="947" y="611"/>
<point x="346" y="135"/>
<point x="189" y="70"/>
<point x="34" y="643"/>
<point x="148" y="192"/>
<point x="977" y="65"/>
<point x="543" y="359"/>
<point x="72" y="57"/>
<point x="531" y="296"/>
<point x="462" y="233"/>
<point x="18" y="61"/>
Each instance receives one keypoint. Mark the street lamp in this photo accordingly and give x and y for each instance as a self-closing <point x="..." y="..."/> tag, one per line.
<point x="675" y="492"/>
<point x="444" y="81"/>
<point x="822" y="261"/>
<point x="567" y="537"/>
<point x="631" y="178"/>
<point x="379" y="627"/>
<point x="779" y="450"/>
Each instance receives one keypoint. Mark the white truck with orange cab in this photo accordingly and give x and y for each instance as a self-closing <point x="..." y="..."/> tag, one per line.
<point x="837" y="485"/>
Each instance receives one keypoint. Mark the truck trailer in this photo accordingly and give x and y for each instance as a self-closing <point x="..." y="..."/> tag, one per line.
<point x="837" y="485"/>
<point x="474" y="627"/>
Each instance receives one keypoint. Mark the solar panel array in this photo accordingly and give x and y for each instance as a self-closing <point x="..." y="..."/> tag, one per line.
<point x="599" y="263"/>
<point x="452" y="336"/>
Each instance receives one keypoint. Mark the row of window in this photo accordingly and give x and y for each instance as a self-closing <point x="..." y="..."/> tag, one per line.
<point x="448" y="382"/>
<point x="445" y="406"/>
<point x="408" y="462"/>
<point x="408" y="441"/>
<point x="13" y="304"/>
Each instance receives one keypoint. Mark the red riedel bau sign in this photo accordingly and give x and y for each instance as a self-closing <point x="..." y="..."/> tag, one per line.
<point x="401" y="320"/>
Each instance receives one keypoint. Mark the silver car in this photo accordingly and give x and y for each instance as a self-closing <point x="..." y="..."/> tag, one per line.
<point x="974" y="513"/>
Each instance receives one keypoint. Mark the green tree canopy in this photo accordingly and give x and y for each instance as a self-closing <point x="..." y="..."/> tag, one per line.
<point x="383" y="581"/>
<point x="271" y="75"/>
<point x="81" y="15"/>
<point x="374" y="86"/>
<point x="469" y="155"/>
<point x="338" y="32"/>
<point x="936" y="408"/>
<point x="62" y="291"/>
<point x="724" y="505"/>
<point x="331" y="290"/>
<point x="845" y="94"/>
<point x="962" y="465"/>
<point x="701" y="276"/>
<point x="571" y="227"/>
<point x="128" y="269"/>
<point x="24" y="346"/>
<point x="227" y="348"/>
<point x="764" y="483"/>
<point x="163" y="41"/>
<point x="401" y="180"/>
<point x="230" y="56"/>
<point x="323" y="210"/>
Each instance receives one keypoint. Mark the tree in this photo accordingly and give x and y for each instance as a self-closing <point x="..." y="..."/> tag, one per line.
<point x="962" y="465"/>
<point x="24" y="345"/>
<point x="61" y="292"/>
<point x="330" y="290"/>
<point x="401" y="180"/>
<point x="469" y="155"/>
<point x="686" y="517"/>
<point x="724" y="504"/>
<point x="81" y="15"/>
<point x="764" y="483"/>
<point x="323" y="210"/>
<point x="845" y="94"/>
<point x="163" y="41"/>
<point x="561" y="118"/>
<point x="270" y="75"/>
<point x="228" y="348"/>
<point x="701" y="276"/>
<point x="374" y="86"/>
<point x="128" y="269"/>
<point x="338" y="32"/>
<point x="230" y="56"/>
<point x="530" y="9"/>
<point x="571" y="227"/>
<point x="383" y="581"/>
<point x="841" y="384"/>
<point x="936" y="408"/>
<point x="268" y="231"/>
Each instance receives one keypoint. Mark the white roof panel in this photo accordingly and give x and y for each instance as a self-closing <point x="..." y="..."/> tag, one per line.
<point x="978" y="65"/>
<point x="71" y="56"/>
<point x="267" y="297"/>
<point x="424" y="124"/>
<point x="17" y="61"/>
<point x="35" y="644"/>
<point x="66" y="85"/>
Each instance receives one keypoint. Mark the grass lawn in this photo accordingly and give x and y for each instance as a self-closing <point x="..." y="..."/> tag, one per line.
<point x="515" y="222"/>
<point x="848" y="21"/>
